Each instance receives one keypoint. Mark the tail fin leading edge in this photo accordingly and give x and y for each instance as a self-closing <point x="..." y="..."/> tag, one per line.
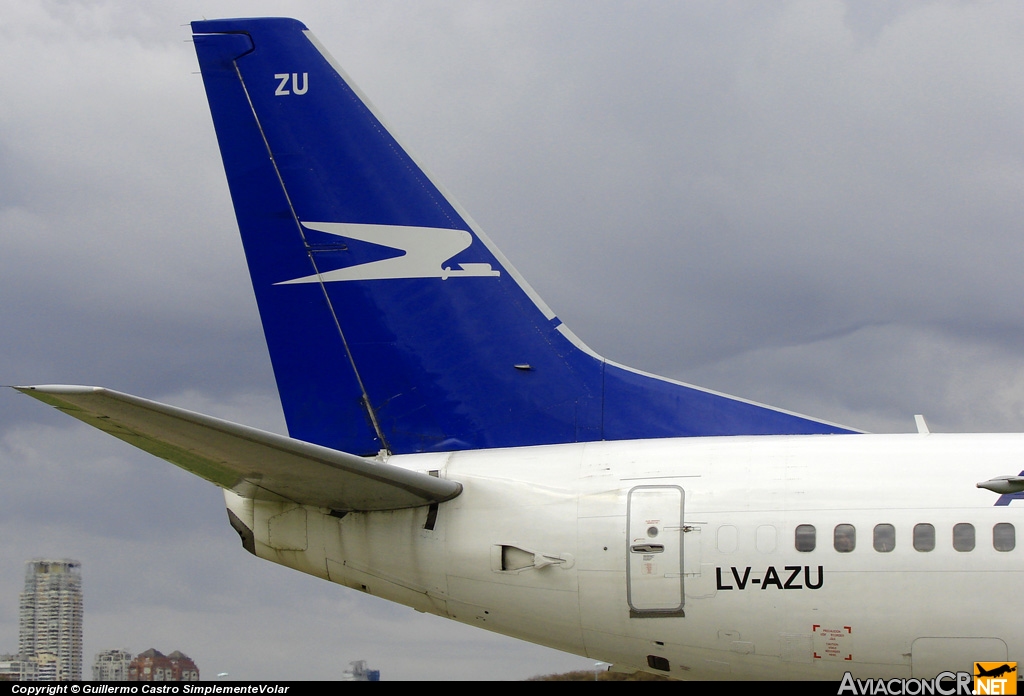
<point x="392" y="322"/>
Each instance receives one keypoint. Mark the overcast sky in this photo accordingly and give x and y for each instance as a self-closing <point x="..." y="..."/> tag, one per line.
<point x="817" y="205"/>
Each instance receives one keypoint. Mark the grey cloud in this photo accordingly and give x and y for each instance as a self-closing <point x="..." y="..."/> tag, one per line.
<point x="812" y="204"/>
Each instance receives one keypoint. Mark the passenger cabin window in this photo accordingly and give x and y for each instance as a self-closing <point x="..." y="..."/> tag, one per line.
<point x="805" y="537"/>
<point x="765" y="539"/>
<point x="885" y="538"/>
<point x="1004" y="537"/>
<point x="727" y="535"/>
<point x="963" y="536"/>
<point x="844" y="538"/>
<point x="924" y="537"/>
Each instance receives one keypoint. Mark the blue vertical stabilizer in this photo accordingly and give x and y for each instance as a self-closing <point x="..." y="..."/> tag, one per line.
<point x="393" y="323"/>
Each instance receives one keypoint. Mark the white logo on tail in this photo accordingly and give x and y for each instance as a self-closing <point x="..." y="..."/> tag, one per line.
<point x="424" y="251"/>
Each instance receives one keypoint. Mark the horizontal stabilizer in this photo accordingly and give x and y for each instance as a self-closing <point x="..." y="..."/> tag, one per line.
<point x="253" y="463"/>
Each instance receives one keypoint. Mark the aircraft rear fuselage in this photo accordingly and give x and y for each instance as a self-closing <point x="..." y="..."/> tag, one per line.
<point x="682" y="554"/>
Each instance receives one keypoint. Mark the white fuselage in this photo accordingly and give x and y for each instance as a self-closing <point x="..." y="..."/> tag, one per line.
<point x="679" y="556"/>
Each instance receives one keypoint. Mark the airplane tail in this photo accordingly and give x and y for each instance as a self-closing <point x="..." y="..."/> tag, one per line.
<point x="393" y="323"/>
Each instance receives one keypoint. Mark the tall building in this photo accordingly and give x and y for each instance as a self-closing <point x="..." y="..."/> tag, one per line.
<point x="50" y="618"/>
<point x="111" y="665"/>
